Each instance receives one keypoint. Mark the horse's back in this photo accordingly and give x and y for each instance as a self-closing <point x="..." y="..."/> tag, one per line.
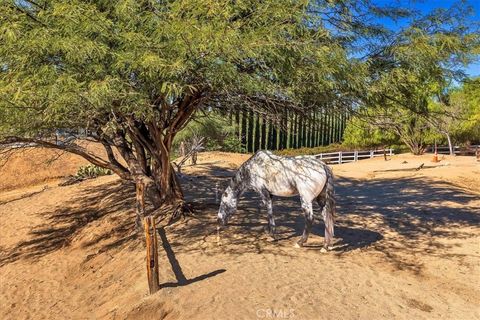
<point x="288" y="176"/>
<point x="268" y="158"/>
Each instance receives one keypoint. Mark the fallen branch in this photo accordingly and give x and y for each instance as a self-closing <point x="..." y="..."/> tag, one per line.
<point x="420" y="167"/>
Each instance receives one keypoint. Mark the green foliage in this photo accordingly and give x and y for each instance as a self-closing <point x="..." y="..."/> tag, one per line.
<point x="424" y="59"/>
<point x="232" y="143"/>
<point x="69" y="64"/>
<point x="362" y="134"/>
<point x="466" y="100"/>
<point x="420" y="64"/>
<point x="376" y="127"/>
<point x="400" y="148"/>
<point x="311" y="151"/>
<point x="91" y="171"/>
<point x="218" y="132"/>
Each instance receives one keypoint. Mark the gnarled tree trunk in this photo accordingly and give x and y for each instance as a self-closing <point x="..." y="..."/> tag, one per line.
<point x="144" y="147"/>
<point x="156" y="182"/>
<point x="162" y="191"/>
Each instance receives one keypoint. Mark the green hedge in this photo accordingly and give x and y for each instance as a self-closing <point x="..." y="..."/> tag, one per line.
<point x="311" y="151"/>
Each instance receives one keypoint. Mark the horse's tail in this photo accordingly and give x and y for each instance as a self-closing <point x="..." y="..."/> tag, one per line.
<point x="328" y="211"/>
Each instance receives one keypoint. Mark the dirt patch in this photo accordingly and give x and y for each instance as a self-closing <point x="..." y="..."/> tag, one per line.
<point x="150" y="309"/>
<point x="406" y="246"/>
<point x="34" y="166"/>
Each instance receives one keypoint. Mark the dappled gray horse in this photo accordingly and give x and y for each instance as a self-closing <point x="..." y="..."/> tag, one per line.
<point x="269" y="175"/>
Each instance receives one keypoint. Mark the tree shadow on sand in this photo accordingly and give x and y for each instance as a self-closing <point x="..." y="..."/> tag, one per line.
<point x="397" y="217"/>
<point x="418" y="213"/>
<point x="112" y="201"/>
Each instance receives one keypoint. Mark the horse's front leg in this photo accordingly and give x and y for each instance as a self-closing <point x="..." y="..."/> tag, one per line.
<point x="308" y="213"/>
<point x="267" y="200"/>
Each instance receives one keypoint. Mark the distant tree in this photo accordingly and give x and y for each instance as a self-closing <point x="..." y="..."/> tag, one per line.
<point x="414" y="130"/>
<point x="360" y="133"/>
<point x="465" y="100"/>
<point x="455" y="115"/>
<point x="376" y="127"/>
<point x="444" y="117"/>
<point x="420" y="64"/>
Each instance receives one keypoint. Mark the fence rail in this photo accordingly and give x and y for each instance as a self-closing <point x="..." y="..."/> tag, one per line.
<point x="458" y="150"/>
<point x="352" y="156"/>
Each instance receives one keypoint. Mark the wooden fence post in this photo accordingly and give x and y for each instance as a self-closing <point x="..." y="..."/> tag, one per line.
<point x="371" y="153"/>
<point x="391" y="152"/>
<point x="152" y="254"/>
<point x="355" y="156"/>
<point x="340" y="157"/>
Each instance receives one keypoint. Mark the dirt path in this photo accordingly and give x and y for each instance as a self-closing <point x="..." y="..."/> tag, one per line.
<point x="407" y="246"/>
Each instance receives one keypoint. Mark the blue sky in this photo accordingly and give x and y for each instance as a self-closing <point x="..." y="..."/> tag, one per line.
<point x="425" y="6"/>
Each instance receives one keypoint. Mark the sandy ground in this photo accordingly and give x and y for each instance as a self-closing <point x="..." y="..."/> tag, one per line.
<point x="407" y="246"/>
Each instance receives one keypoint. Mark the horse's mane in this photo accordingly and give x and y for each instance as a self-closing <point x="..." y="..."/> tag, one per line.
<point x="242" y="176"/>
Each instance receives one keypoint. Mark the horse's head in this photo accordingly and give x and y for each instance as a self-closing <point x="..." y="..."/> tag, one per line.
<point x="228" y="206"/>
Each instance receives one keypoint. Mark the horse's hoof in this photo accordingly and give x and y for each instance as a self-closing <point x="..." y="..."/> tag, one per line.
<point x="298" y="245"/>
<point x="323" y="250"/>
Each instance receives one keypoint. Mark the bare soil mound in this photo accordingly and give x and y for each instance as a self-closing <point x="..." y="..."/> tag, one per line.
<point x="406" y="246"/>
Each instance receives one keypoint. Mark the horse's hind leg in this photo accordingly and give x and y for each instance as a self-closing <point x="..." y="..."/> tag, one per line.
<point x="308" y="213"/>
<point x="322" y="201"/>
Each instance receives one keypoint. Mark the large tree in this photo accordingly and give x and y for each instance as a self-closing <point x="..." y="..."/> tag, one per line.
<point x="129" y="75"/>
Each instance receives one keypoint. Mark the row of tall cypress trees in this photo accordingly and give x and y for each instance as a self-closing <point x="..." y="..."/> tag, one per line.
<point x="292" y="130"/>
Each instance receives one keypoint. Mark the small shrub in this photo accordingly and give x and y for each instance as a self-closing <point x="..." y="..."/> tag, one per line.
<point x="336" y="148"/>
<point x="399" y="148"/>
<point x="92" y="171"/>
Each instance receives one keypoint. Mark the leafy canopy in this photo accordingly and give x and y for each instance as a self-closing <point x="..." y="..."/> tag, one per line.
<point x="69" y="64"/>
<point x="103" y="64"/>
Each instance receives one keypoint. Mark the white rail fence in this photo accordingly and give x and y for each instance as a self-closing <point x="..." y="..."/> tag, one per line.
<point x="352" y="156"/>
<point x="456" y="149"/>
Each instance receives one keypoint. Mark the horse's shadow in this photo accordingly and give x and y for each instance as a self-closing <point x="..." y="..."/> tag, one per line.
<point x="290" y="227"/>
<point x="346" y="238"/>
